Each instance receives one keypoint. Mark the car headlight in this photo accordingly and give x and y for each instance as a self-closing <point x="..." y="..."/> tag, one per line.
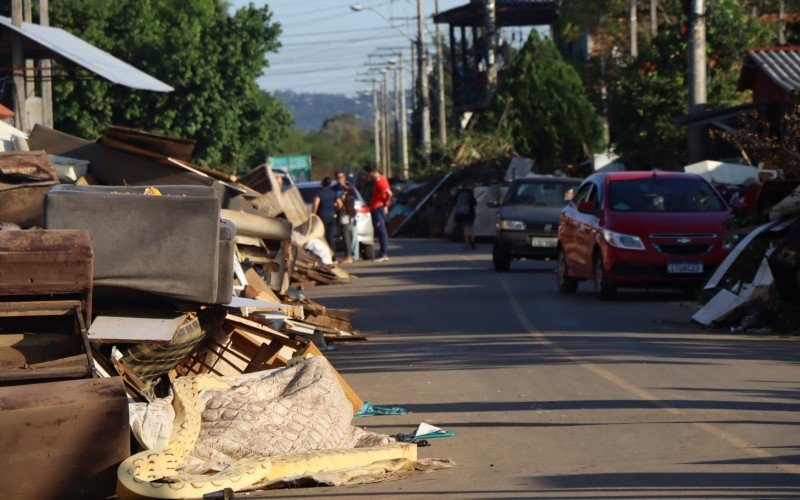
<point x="621" y="240"/>
<point x="731" y="241"/>
<point x="512" y="225"/>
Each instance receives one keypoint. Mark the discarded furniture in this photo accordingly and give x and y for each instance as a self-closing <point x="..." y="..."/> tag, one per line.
<point x="25" y="177"/>
<point x="63" y="439"/>
<point x="166" y="245"/>
<point x="45" y="305"/>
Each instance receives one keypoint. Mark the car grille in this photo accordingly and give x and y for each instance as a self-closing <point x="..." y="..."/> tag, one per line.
<point x="684" y="250"/>
<point x="684" y="235"/>
<point x="542" y="227"/>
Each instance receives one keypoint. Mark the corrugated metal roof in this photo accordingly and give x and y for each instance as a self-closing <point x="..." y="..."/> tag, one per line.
<point x="64" y="44"/>
<point x="781" y="65"/>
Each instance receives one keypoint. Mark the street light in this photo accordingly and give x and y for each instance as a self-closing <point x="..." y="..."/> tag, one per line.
<point x="422" y="73"/>
<point x="357" y="7"/>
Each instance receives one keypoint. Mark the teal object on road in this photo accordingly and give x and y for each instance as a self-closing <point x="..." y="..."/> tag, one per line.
<point x="368" y="410"/>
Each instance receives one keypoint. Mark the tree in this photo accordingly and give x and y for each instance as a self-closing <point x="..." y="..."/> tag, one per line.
<point x="542" y="107"/>
<point x="210" y="56"/>
<point x="342" y="140"/>
<point x="651" y="90"/>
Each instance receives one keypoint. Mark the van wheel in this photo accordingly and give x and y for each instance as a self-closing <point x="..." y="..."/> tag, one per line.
<point x="603" y="288"/>
<point x="500" y="259"/>
<point x="566" y="283"/>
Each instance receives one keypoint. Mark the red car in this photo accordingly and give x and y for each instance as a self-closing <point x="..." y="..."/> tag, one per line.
<point x="641" y="229"/>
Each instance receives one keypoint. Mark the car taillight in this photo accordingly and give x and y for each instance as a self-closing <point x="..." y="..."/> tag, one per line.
<point x="363" y="209"/>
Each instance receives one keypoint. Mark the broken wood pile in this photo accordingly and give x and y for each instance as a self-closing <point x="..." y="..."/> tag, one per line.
<point x="159" y="277"/>
<point x="310" y="271"/>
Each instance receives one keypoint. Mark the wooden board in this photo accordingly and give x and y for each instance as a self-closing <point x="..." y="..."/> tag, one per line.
<point x="133" y="329"/>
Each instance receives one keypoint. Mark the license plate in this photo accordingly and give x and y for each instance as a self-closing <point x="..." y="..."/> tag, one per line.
<point x="544" y="242"/>
<point x="685" y="268"/>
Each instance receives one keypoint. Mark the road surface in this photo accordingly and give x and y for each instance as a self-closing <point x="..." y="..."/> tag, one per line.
<point x="559" y="396"/>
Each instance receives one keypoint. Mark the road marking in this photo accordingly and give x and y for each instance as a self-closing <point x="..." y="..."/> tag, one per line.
<point x="644" y="394"/>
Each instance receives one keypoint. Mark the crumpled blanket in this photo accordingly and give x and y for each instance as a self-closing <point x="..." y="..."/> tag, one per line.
<point x="271" y="413"/>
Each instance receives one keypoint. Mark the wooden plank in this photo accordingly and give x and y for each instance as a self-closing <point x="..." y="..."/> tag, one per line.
<point x="343" y="314"/>
<point x="236" y="322"/>
<point x="160" y="328"/>
<point x="256" y="286"/>
<point x="329" y="322"/>
<point x="264" y="357"/>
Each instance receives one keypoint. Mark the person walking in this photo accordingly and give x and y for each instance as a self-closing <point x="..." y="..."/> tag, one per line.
<point x="347" y="217"/>
<point x="379" y="207"/>
<point x="465" y="203"/>
<point x="326" y="203"/>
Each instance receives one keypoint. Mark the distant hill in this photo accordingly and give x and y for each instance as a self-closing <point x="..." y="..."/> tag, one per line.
<point x="311" y="110"/>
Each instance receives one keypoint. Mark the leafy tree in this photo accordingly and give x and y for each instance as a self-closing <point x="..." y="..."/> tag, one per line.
<point x="211" y="56"/>
<point x="342" y="140"/>
<point x="542" y="107"/>
<point x="650" y="91"/>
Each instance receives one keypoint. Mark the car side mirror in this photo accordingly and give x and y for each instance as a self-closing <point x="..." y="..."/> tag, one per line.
<point x="493" y="204"/>
<point x="588" y="207"/>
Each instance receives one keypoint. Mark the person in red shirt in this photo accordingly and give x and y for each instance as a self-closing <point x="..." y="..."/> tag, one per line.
<point x="379" y="206"/>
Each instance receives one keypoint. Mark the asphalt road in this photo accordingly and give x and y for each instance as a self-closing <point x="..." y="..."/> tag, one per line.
<point x="563" y="396"/>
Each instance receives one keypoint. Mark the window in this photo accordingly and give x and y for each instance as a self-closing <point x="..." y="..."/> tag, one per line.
<point x="664" y="195"/>
<point x="583" y="193"/>
<point x="540" y="193"/>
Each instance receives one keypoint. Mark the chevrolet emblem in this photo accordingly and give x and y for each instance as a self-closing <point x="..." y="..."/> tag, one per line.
<point x="684" y="241"/>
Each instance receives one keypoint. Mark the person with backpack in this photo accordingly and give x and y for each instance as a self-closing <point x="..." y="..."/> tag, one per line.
<point x="464" y="210"/>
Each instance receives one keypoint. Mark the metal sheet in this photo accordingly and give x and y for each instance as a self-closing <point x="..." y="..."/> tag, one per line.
<point x="65" y="45"/>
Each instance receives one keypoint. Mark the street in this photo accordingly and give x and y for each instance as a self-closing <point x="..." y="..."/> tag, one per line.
<point x="563" y="396"/>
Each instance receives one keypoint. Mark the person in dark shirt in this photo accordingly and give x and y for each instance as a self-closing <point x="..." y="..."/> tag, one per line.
<point x="465" y="212"/>
<point x="326" y="203"/>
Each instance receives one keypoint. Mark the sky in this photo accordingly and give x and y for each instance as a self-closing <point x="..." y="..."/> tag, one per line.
<point x="327" y="46"/>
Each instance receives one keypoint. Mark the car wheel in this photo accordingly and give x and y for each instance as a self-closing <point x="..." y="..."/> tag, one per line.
<point x="566" y="283"/>
<point x="500" y="259"/>
<point x="368" y="252"/>
<point x="603" y="288"/>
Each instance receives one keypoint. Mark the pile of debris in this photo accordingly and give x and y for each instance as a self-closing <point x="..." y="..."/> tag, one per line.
<point x="756" y="289"/>
<point x="144" y="294"/>
<point x="426" y="210"/>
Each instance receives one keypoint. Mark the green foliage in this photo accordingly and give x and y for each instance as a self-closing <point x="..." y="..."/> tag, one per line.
<point x="649" y="92"/>
<point x="543" y="108"/>
<point x="342" y="140"/>
<point x="210" y="56"/>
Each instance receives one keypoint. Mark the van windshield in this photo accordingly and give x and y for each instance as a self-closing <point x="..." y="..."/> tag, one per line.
<point x="663" y="195"/>
<point x="540" y="193"/>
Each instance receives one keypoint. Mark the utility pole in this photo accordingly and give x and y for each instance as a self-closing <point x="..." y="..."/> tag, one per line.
<point x="387" y="155"/>
<point x="424" y="97"/>
<point x="653" y="18"/>
<point x="30" y="81"/>
<point x="376" y="122"/>
<point x="18" y="63"/>
<point x="414" y="96"/>
<point x="697" y="74"/>
<point x="399" y="155"/>
<point x="634" y="25"/>
<point x="46" y="66"/>
<point x="491" y="45"/>
<point x="781" y="22"/>
<point x="442" y="114"/>
<point x="403" y="120"/>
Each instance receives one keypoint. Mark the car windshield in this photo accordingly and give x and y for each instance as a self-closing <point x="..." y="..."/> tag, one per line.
<point x="663" y="195"/>
<point x="540" y="193"/>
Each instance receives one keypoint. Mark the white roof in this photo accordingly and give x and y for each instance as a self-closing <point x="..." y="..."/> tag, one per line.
<point x="86" y="55"/>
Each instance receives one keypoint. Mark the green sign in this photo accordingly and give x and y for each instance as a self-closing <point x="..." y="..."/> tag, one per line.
<point x="298" y="166"/>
